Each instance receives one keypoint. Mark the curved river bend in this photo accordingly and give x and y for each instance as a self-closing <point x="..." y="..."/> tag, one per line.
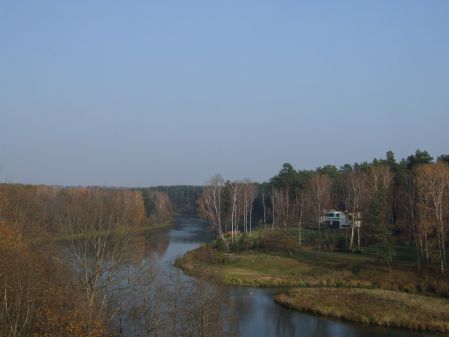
<point x="258" y="315"/>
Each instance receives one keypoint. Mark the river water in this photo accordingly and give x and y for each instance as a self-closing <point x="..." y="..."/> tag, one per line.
<point x="258" y="315"/>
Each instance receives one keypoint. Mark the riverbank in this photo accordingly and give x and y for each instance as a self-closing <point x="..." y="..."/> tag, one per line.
<point x="79" y="236"/>
<point x="371" y="306"/>
<point x="348" y="286"/>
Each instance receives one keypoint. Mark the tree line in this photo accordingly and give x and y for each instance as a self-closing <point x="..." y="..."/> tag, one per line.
<point x="182" y="197"/>
<point x="404" y="201"/>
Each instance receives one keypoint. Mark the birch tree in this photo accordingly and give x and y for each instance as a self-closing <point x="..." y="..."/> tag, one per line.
<point x="210" y="203"/>
<point x="273" y="198"/>
<point x="433" y="182"/>
<point x="234" y="195"/>
<point x="354" y="190"/>
<point x="320" y="196"/>
<point x="249" y="195"/>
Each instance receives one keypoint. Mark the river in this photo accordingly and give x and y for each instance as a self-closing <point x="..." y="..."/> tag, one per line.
<point x="258" y="315"/>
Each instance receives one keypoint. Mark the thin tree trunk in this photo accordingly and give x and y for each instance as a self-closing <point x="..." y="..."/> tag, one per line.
<point x="250" y="218"/>
<point x="352" y="238"/>
<point x="443" y="247"/>
<point x="299" y="228"/>
<point x="442" y="253"/>
<point x="418" y="256"/>
<point x="264" y="211"/>
<point x="358" y="237"/>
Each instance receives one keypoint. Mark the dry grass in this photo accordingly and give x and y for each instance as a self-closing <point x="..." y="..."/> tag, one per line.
<point x="373" y="306"/>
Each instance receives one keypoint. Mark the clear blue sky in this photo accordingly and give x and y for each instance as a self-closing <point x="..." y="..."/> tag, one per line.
<point x="138" y="93"/>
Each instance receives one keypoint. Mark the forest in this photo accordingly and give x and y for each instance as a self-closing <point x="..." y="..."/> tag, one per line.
<point x="397" y="202"/>
<point x="182" y="197"/>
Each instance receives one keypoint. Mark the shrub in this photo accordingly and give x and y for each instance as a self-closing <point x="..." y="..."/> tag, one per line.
<point x="220" y="244"/>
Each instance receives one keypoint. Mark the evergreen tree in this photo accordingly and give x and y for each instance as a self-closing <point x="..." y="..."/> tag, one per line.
<point x="286" y="178"/>
<point x="444" y="157"/>
<point x="420" y="157"/>
<point x="380" y="228"/>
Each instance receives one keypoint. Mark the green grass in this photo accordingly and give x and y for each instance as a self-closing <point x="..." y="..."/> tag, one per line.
<point x="372" y="306"/>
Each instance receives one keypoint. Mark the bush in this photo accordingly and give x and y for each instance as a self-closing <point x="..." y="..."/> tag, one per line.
<point x="221" y="246"/>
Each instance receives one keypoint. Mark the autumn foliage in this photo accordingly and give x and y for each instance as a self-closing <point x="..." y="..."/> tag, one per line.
<point x="41" y="295"/>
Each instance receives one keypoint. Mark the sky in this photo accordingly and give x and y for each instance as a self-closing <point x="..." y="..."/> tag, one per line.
<point x="143" y="93"/>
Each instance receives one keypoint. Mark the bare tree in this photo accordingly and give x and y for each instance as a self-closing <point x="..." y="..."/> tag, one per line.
<point x="235" y="192"/>
<point x="196" y="309"/>
<point x="97" y="222"/>
<point x="145" y="295"/>
<point x="378" y="175"/>
<point x="354" y="192"/>
<point x="163" y="210"/>
<point x="273" y="196"/>
<point x="249" y="192"/>
<point x="264" y="206"/>
<point x="281" y="195"/>
<point x="210" y="203"/>
<point x="300" y="204"/>
<point x="320" y="196"/>
<point x="433" y="182"/>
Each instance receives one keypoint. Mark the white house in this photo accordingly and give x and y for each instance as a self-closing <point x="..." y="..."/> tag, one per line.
<point x="340" y="220"/>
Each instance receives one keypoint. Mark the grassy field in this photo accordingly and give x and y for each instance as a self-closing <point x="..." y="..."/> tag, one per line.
<point x="372" y="306"/>
<point x="312" y="268"/>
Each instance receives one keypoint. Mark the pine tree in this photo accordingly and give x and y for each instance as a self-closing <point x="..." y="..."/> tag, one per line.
<point x="380" y="228"/>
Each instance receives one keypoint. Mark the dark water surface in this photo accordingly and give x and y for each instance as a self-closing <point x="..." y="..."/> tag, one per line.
<point x="258" y="315"/>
